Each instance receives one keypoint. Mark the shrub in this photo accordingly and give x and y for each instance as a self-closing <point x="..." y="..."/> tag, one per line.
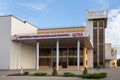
<point x="26" y="73"/>
<point x="85" y="71"/>
<point x="15" y="74"/>
<point x="68" y="74"/>
<point x="103" y="75"/>
<point x="54" y="73"/>
<point x="87" y="76"/>
<point x="94" y="76"/>
<point x="19" y="74"/>
<point x="99" y="75"/>
<point x="40" y="74"/>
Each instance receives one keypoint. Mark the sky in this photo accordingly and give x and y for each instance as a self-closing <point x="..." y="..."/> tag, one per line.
<point x="65" y="13"/>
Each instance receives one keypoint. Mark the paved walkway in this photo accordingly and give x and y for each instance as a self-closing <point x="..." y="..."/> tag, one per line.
<point x="113" y="74"/>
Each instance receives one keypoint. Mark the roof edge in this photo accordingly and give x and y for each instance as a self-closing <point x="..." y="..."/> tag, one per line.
<point x="63" y="28"/>
<point x="19" y="20"/>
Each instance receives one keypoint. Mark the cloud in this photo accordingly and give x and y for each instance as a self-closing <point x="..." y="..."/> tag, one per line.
<point x="113" y="29"/>
<point x="35" y="6"/>
<point x="103" y="3"/>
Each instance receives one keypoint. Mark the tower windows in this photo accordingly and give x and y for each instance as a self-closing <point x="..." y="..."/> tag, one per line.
<point x="95" y="24"/>
<point x="100" y="23"/>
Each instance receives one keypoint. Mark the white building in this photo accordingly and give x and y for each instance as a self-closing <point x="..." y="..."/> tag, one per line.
<point x="24" y="45"/>
<point x="10" y="54"/>
<point x="110" y="56"/>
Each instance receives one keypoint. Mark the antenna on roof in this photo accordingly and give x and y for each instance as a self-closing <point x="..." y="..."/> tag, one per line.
<point x="24" y="21"/>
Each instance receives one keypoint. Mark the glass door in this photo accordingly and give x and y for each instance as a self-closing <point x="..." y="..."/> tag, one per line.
<point x="63" y="57"/>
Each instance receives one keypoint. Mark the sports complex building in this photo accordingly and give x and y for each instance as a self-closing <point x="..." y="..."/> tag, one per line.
<point x="24" y="45"/>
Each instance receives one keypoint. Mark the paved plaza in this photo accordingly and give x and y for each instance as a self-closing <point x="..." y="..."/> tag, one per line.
<point x="113" y="74"/>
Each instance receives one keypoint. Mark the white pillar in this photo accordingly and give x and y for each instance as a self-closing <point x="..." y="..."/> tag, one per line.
<point x="37" y="55"/>
<point x="19" y="45"/>
<point x="57" y="55"/>
<point x="78" y="55"/>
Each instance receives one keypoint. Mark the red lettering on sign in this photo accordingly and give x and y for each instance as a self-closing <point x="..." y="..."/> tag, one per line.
<point x="77" y="34"/>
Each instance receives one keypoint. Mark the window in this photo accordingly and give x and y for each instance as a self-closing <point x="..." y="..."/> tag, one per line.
<point x="44" y="61"/>
<point x="95" y="24"/>
<point x="72" y="61"/>
<point x="54" y="52"/>
<point x="95" y="37"/>
<point x="72" y="52"/>
<point x="45" y="52"/>
<point x="100" y="23"/>
<point x="81" y="61"/>
<point x="63" y="52"/>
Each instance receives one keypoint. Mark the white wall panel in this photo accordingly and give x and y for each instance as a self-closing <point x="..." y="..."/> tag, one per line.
<point x="5" y="39"/>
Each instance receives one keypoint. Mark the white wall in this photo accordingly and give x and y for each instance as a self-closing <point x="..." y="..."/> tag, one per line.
<point x="107" y="51"/>
<point x="5" y="42"/>
<point x="15" y="55"/>
<point x="108" y="55"/>
<point x="108" y="63"/>
<point x="114" y="53"/>
<point x="19" y="27"/>
<point x="22" y="54"/>
<point x="28" y="56"/>
<point x="89" y="29"/>
<point x="90" y="58"/>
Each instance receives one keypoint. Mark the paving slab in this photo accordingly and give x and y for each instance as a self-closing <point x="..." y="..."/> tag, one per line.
<point x="112" y="74"/>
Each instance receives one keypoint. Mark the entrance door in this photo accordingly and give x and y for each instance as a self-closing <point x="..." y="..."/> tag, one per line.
<point x="64" y="62"/>
<point x="63" y="57"/>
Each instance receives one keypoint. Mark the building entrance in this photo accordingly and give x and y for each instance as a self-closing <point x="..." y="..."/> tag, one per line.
<point x="62" y="57"/>
<point x="67" y="57"/>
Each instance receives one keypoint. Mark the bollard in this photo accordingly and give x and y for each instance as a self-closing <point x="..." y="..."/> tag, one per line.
<point x="92" y="71"/>
<point x="21" y="70"/>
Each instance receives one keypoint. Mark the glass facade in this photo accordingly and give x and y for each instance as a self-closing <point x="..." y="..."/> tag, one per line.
<point x="67" y="57"/>
<point x="101" y="46"/>
<point x="99" y="42"/>
<point x="95" y="24"/>
<point x="95" y="47"/>
<point x="101" y="23"/>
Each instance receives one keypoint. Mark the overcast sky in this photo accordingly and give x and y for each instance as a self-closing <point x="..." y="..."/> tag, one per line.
<point x="64" y="13"/>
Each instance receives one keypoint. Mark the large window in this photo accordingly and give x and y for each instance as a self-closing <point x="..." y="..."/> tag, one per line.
<point x="101" y="23"/>
<point x="63" y="52"/>
<point x="81" y="61"/>
<point x="54" y="62"/>
<point x="98" y="23"/>
<point x="72" y="52"/>
<point x="72" y="61"/>
<point x="94" y="23"/>
<point x="67" y="57"/>
<point x="63" y="62"/>
<point x="54" y="52"/>
<point x="45" y="52"/>
<point x="45" y="61"/>
<point x="101" y="35"/>
<point x="95" y="38"/>
<point x="81" y="51"/>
